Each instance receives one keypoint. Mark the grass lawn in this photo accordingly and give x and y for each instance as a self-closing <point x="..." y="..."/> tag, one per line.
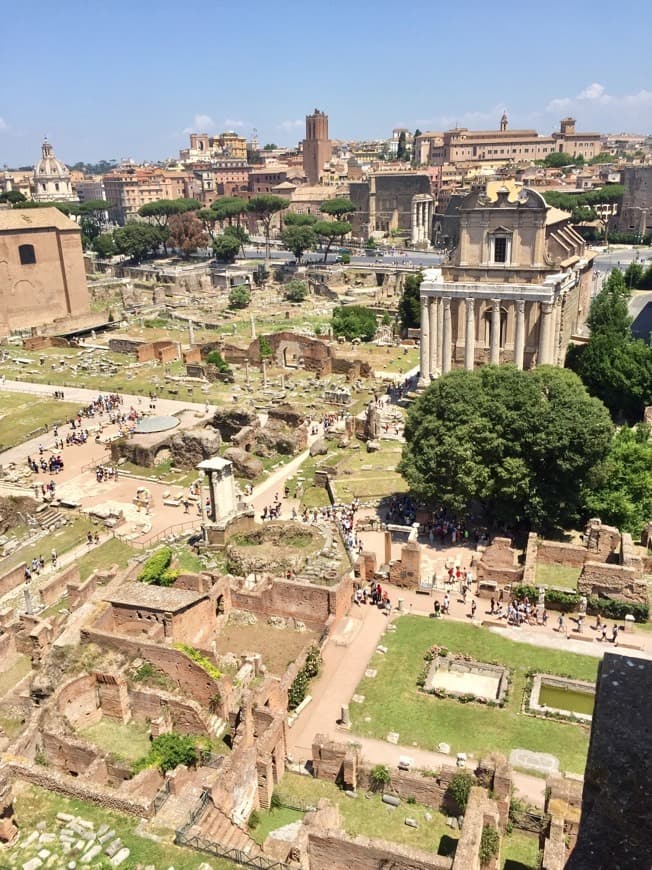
<point x="368" y="485"/>
<point x="393" y="702"/>
<point x="111" y="552"/>
<point x="62" y="539"/>
<point x="13" y="675"/>
<point x="33" y="805"/>
<point x="22" y="414"/>
<point x="128" y="742"/>
<point x="163" y="472"/>
<point x="370" y="817"/>
<point x="557" y="575"/>
<point x="272" y="820"/>
<point x="520" y="851"/>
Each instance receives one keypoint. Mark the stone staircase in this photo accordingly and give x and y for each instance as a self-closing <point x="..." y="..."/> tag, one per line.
<point x="50" y="518"/>
<point x="216" y="827"/>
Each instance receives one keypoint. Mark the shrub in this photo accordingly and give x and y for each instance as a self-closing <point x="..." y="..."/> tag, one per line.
<point x="460" y="788"/>
<point x="354" y="321"/>
<point x="144" y="672"/>
<point x="299" y="688"/>
<point x="168" y="751"/>
<point x="156" y="566"/>
<point x="380" y="777"/>
<point x="567" y="601"/>
<point x="264" y="347"/>
<point x="254" y="820"/>
<point x="239" y="297"/>
<point x="346" y="259"/>
<point x="489" y="844"/>
<point x="296" y="291"/>
<point x="216" y="359"/>
<point x="313" y="662"/>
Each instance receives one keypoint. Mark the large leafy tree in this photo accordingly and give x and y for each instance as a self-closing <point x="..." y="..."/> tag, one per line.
<point x="517" y="443"/>
<point x="160" y="211"/>
<point x="139" y="240"/>
<point x="186" y="233"/>
<point x="228" y="208"/>
<point x="338" y="207"/>
<point x="292" y="219"/>
<point x="409" y="308"/>
<point x="237" y="231"/>
<point x="614" y="366"/>
<point x="328" y="231"/>
<point x="226" y="248"/>
<point x="299" y="239"/>
<point x="621" y="489"/>
<point x="354" y="321"/>
<point x="264" y="207"/>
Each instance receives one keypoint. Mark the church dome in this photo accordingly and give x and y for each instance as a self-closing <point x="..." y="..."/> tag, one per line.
<point x="48" y="166"/>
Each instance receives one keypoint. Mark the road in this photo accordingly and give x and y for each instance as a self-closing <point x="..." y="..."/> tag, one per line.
<point x="417" y="258"/>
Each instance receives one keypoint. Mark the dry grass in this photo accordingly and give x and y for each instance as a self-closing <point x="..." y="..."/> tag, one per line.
<point x="279" y="647"/>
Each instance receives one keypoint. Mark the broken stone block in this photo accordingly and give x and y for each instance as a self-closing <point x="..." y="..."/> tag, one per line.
<point x="392" y="737"/>
<point x="113" y="847"/>
<point x="34" y="864"/>
<point x="119" y="857"/>
<point x="381" y="649"/>
<point x="358" y="699"/>
<point x="92" y="853"/>
<point x="412" y="823"/>
<point x="370" y="673"/>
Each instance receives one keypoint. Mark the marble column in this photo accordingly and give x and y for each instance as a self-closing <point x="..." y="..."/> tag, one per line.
<point x="433" y="311"/>
<point x="469" y="346"/>
<point x="494" y="352"/>
<point x="554" y="338"/>
<point x="424" y="376"/>
<point x="519" y="340"/>
<point x="415" y="229"/>
<point x="545" y="328"/>
<point x="447" y="336"/>
<point x="440" y="334"/>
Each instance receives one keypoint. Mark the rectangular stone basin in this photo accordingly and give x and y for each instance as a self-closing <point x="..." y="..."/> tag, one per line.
<point x="562" y="695"/>
<point x="468" y="683"/>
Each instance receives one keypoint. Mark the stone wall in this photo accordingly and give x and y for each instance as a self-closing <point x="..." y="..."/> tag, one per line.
<point x="78" y="700"/>
<point x="613" y="581"/>
<point x="480" y="811"/>
<point x="55" y="589"/>
<point x="12" y="578"/>
<point x="406" y="571"/>
<point x="557" y="553"/>
<point x="312" y="604"/>
<point x="332" y="849"/>
<point x="499" y="563"/>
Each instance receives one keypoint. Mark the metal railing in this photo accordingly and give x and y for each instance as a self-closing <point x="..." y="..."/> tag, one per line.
<point x="171" y="531"/>
<point x="257" y="862"/>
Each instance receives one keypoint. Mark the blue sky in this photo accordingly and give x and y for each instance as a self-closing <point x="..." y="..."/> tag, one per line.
<point x="120" y="79"/>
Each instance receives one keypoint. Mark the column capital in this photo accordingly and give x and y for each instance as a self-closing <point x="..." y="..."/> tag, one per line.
<point x="520" y="306"/>
<point x="496" y="303"/>
<point x="546" y="307"/>
<point x="470" y="302"/>
<point x="447" y="302"/>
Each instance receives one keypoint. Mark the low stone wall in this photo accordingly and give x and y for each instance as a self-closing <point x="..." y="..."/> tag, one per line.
<point x="335" y="850"/>
<point x="55" y="589"/>
<point x="312" y="604"/>
<point x="530" y="564"/>
<point x="480" y="811"/>
<point x="612" y="581"/>
<point x="7" y="646"/>
<point x="78" y="593"/>
<point x="12" y="578"/>
<point x="73" y="787"/>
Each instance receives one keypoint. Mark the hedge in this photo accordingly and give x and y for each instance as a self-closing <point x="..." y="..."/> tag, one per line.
<point x="156" y="567"/>
<point x="567" y="601"/>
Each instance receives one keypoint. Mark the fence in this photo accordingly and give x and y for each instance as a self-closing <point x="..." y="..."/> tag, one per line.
<point x="257" y="862"/>
<point x="535" y="823"/>
<point x="171" y="531"/>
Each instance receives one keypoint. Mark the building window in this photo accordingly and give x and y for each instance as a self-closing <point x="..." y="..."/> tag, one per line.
<point x="27" y="255"/>
<point x="500" y="249"/>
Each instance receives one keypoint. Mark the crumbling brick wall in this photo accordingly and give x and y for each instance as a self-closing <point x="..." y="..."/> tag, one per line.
<point x="612" y="581"/>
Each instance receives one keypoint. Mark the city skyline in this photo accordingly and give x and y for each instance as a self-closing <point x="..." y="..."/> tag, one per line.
<point x="136" y="81"/>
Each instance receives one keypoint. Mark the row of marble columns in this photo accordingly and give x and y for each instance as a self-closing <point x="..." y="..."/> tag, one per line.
<point x="437" y="334"/>
<point x="421" y="220"/>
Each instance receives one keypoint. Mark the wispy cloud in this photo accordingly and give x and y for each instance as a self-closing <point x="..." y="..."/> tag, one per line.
<point x="596" y="94"/>
<point x="3" y="124"/>
<point x="201" y="124"/>
<point x="234" y="125"/>
<point x="289" y="126"/>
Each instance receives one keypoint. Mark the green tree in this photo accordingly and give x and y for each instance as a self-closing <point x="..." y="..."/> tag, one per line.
<point x="620" y="492"/>
<point x="489" y="844"/>
<point x="237" y="231"/>
<point x="228" y="208"/>
<point x="401" y="150"/>
<point x="299" y="239"/>
<point x="380" y="777"/>
<point x="460" y="789"/>
<point x="338" y="207"/>
<point x="409" y="308"/>
<point x="264" y="207"/>
<point x="354" y="321"/>
<point x="557" y="159"/>
<point x="139" y="240"/>
<point x="613" y="365"/>
<point x="633" y="275"/>
<point x="104" y="245"/>
<point x="296" y="291"/>
<point x="261" y="275"/>
<point x="12" y="196"/>
<point x="517" y="443"/>
<point x="186" y="233"/>
<point x="264" y="348"/>
<point x="226" y="248"/>
<point x="328" y="231"/>
<point x="169" y="751"/>
<point x="292" y="219"/>
<point x="160" y="211"/>
<point x="239" y="297"/>
<point x="209" y="221"/>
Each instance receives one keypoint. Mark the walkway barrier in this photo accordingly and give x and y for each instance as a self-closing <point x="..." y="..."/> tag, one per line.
<point x="171" y="531"/>
<point x="257" y="862"/>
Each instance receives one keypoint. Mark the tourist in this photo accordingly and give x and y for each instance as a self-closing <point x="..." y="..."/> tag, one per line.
<point x="614" y="634"/>
<point x="89" y="539"/>
<point x="446" y="603"/>
<point x="96" y="538"/>
<point x="492" y="607"/>
<point x="474" y="607"/>
<point x="437" y="609"/>
<point x="53" y="557"/>
<point x="560" y="623"/>
<point x="604" y="632"/>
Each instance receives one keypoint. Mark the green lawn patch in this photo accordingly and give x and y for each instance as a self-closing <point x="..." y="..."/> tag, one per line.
<point x="129" y="741"/>
<point x="370" y="817"/>
<point x="62" y="539"/>
<point x="23" y="415"/>
<point x="394" y="703"/>
<point x="272" y="821"/>
<point x="111" y="552"/>
<point x="520" y="851"/>
<point x="557" y="575"/>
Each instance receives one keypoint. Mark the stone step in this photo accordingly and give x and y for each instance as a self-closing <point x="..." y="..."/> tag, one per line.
<point x="216" y="827"/>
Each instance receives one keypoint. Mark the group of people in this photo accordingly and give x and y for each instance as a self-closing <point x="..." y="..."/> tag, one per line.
<point x="373" y="594"/>
<point x="53" y="465"/>
<point x="106" y="472"/>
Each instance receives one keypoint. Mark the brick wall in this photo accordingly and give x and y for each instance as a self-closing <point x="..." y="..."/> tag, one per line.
<point x="78" y="701"/>
<point x="612" y="581"/>
<point x="556" y="553"/>
<point x="335" y="850"/>
<point x="55" y="589"/>
<point x="12" y="578"/>
<point x="305" y="601"/>
<point x="480" y="811"/>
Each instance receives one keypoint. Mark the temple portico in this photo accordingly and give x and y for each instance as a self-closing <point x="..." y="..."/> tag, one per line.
<point x="421" y="223"/>
<point x="514" y="289"/>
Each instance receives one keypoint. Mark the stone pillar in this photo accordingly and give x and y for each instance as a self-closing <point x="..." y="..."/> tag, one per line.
<point x="388" y="547"/>
<point x="264" y="373"/>
<point x="424" y="377"/>
<point x="556" y="326"/>
<point x="345" y="717"/>
<point x="204" y="518"/>
<point x="519" y="340"/>
<point x="414" y="227"/>
<point x="545" y="327"/>
<point x="469" y="346"/>
<point x="247" y="372"/>
<point x="440" y="334"/>
<point x="434" y="327"/>
<point x="253" y="327"/>
<point x="191" y="333"/>
<point x="447" y="336"/>
<point x="494" y="352"/>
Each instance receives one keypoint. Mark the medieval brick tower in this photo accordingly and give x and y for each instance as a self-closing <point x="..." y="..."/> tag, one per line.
<point x="316" y="146"/>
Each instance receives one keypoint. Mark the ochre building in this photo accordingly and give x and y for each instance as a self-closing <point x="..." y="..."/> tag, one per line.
<point x="42" y="276"/>
<point x="515" y="288"/>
